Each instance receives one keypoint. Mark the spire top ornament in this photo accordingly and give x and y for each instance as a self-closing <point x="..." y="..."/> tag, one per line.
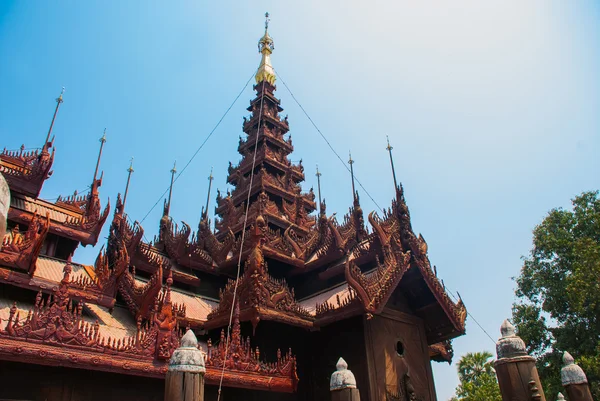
<point x="167" y="208"/>
<point x="351" y="162"/>
<point x="266" y="46"/>
<point x="389" y="149"/>
<point x="129" y="171"/>
<point x="59" y="100"/>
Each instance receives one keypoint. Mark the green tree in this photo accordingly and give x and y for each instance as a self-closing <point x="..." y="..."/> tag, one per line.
<point x="558" y="290"/>
<point x="477" y="378"/>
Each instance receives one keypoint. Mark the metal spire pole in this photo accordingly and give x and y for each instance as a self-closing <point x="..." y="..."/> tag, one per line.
<point x="59" y="100"/>
<point x="129" y="171"/>
<point x="210" y="180"/>
<point x="351" y="162"/>
<point x="319" y="189"/>
<point x="173" y="171"/>
<point x="389" y="149"/>
<point x="102" y="141"/>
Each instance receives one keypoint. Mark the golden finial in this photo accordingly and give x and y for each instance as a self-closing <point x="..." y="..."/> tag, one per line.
<point x="266" y="46"/>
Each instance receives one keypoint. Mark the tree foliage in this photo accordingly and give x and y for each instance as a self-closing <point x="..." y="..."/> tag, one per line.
<point x="558" y="290"/>
<point x="477" y="378"/>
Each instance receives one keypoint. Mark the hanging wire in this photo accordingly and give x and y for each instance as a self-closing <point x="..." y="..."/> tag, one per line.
<point x="80" y="192"/>
<point x="360" y="184"/>
<point x="326" y="140"/>
<point x="239" y="264"/>
<point x="201" y="146"/>
<point x="472" y="317"/>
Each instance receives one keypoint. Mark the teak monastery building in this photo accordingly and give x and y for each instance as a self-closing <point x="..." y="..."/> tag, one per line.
<point x="311" y="288"/>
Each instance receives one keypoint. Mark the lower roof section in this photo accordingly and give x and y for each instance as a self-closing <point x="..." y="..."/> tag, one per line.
<point x="80" y="358"/>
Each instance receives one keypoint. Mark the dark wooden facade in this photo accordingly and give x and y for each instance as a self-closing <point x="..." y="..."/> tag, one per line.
<point x="312" y="288"/>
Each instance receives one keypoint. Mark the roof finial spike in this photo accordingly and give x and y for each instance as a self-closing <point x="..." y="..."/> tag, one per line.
<point x="96" y="183"/>
<point x="173" y="171"/>
<point x="129" y="171"/>
<point x="351" y="162"/>
<point x="389" y="149"/>
<point x="318" y="174"/>
<point x="267" y="19"/>
<point x="59" y="100"/>
<point x="210" y="180"/>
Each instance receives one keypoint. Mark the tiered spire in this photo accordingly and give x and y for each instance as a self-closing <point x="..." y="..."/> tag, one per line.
<point x="276" y="190"/>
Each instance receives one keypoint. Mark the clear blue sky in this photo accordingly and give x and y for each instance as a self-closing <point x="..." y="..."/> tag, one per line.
<point x="492" y="109"/>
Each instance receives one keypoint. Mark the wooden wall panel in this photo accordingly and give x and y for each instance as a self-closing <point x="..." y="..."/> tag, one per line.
<point x="387" y="368"/>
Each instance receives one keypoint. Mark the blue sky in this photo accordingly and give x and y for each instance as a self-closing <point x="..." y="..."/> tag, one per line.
<point x="492" y="109"/>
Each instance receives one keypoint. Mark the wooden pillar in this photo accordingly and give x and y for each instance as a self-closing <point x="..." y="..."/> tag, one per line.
<point x="574" y="380"/>
<point x="517" y="375"/>
<point x="4" y="205"/>
<point x="185" y="377"/>
<point x="343" y="383"/>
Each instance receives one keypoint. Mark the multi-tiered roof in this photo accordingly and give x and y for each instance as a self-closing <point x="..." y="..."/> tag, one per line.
<point x="297" y="268"/>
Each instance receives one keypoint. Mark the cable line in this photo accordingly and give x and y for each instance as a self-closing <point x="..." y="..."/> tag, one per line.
<point x="201" y="145"/>
<point x="325" y="139"/>
<point x="239" y="264"/>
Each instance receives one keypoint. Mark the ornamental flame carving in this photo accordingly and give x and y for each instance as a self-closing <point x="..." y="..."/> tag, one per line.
<point x="21" y="250"/>
<point x="235" y="353"/>
<point x="56" y="320"/>
<point x="375" y="288"/>
<point x="27" y="170"/>
<point x="262" y="296"/>
<point x="91" y="219"/>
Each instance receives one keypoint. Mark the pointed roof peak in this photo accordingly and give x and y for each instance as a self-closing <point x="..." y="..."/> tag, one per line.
<point x="266" y="46"/>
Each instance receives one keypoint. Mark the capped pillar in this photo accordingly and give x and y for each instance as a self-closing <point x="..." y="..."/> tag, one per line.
<point x="517" y="375"/>
<point x="185" y="377"/>
<point x="343" y="383"/>
<point x="574" y="380"/>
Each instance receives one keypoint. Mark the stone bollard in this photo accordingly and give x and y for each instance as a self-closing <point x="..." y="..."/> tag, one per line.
<point x="517" y="375"/>
<point x="4" y="205"/>
<point x="574" y="380"/>
<point x="185" y="377"/>
<point x="343" y="384"/>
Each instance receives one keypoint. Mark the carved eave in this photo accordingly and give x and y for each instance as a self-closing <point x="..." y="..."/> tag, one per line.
<point x="203" y="252"/>
<point x="83" y="288"/>
<point x="265" y="156"/>
<point x="21" y="250"/>
<point x="344" y="307"/>
<point x="23" y="351"/>
<point x="375" y="289"/>
<point x="140" y="298"/>
<point x="64" y="221"/>
<point x="55" y="333"/>
<point x="455" y="311"/>
<point x="264" y="182"/>
<point x="441" y="352"/>
<point x="248" y="144"/>
<point x="261" y="296"/>
<point x="148" y="259"/>
<point x="26" y="172"/>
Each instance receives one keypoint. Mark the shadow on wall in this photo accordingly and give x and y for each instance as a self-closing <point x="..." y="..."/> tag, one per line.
<point x="4" y="204"/>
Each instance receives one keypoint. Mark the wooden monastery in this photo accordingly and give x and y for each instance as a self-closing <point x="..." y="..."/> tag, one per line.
<point x="310" y="288"/>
